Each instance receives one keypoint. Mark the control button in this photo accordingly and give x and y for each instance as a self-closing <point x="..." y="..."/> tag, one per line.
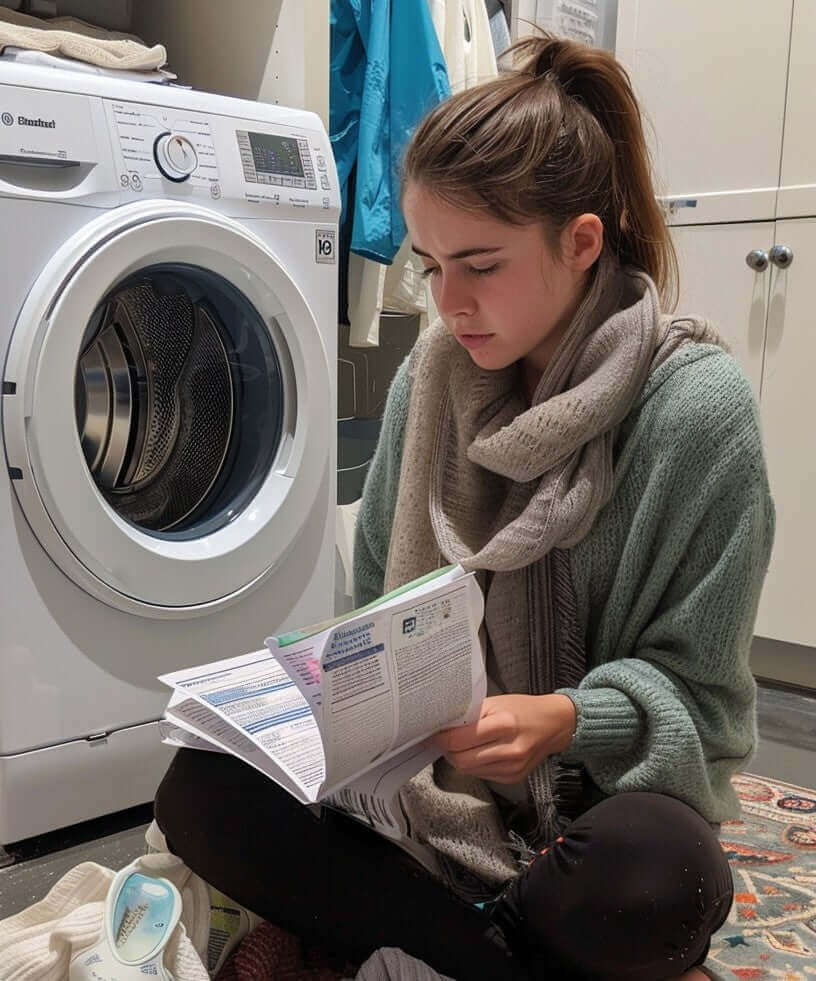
<point x="175" y="156"/>
<point x="124" y="180"/>
<point x="287" y="182"/>
<point x="326" y="202"/>
<point x="324" y="182"/>
<point x="215" y="190"/>
<point x="300" y="182"/>
<point x="321" y="163"/>
<point x="136" y="182"/>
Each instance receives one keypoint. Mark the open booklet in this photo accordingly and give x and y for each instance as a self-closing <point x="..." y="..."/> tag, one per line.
<point x="339" y="713"/>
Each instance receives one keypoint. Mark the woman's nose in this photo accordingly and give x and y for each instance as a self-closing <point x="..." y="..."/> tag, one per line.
<point x="453" y="298"/>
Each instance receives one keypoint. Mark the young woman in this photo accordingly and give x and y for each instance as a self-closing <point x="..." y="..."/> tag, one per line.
<point x="600" y="464"/>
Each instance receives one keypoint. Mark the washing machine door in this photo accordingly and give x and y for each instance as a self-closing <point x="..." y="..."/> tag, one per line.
<point x="169" y="420"/>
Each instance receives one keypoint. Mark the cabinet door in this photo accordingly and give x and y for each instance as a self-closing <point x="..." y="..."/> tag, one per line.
<point x="788" y="609"/>
<point x="716" y="282"/>
<point x="711" y="77"/>
<point x="797" y="194"/>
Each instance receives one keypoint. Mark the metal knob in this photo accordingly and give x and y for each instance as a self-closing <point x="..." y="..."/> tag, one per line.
<point x="781" y="256"/>
<point x="757" y="259"/>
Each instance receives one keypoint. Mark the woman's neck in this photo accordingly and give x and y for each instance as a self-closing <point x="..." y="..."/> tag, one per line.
<point x="535" y="363"/>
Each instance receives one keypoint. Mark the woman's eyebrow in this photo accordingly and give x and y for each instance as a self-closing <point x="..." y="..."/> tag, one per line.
<point x="462" y="254"/>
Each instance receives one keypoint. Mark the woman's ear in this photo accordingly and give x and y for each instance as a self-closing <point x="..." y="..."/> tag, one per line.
<point x="581" y="242"/>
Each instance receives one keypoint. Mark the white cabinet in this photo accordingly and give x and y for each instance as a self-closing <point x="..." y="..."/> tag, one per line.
<point x="797" y="193"/>
<point x="716" y="282"/>
<point x="729" y="89"/>
<point x="767" y="319"/>
<point x="788" y="607"/>
<point x="712" y="79"/>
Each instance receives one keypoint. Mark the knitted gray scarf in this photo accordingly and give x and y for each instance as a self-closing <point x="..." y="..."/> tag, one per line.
<point x="504" y="487"/>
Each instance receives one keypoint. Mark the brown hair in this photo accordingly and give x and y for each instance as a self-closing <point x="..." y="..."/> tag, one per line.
<point x="558" y="135"/>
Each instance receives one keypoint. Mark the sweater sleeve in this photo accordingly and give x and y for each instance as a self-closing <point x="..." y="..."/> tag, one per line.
<point x="673" y="711"/>
<point x="373" y="531"/>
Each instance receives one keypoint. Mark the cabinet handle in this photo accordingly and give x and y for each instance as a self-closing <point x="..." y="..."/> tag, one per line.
<point x="757" y="259"/>
<point x="781" y="256"/>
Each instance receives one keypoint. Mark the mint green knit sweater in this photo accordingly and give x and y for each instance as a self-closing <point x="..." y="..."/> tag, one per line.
<point x="667" y="582"/>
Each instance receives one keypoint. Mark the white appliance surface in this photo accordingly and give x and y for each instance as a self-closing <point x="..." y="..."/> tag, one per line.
<point x="168" y="321"/>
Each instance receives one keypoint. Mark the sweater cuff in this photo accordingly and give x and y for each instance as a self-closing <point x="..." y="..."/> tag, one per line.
<point x="608" y="723"/>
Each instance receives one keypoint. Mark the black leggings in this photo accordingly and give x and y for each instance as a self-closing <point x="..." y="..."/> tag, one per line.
<point x="634" y="891"/>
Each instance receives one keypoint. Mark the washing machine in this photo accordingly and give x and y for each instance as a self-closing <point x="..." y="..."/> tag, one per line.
<point x="168" y="287"/>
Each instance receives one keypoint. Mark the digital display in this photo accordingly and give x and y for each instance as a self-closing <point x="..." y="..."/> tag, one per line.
<point x="276" y="155"/>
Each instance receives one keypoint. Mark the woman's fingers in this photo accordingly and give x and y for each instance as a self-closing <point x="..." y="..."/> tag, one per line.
<point x="489" y="729"/>
<point x="488" y="755"/>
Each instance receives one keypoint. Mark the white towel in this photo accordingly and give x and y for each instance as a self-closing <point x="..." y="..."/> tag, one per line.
<point x="39" y="943"/>
<point x="76" y="39"/>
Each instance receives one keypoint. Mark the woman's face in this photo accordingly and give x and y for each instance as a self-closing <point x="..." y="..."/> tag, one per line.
<point x="499" y="288"/>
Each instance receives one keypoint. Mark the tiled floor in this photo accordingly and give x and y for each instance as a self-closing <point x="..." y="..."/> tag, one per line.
<point x="787" y="751"/>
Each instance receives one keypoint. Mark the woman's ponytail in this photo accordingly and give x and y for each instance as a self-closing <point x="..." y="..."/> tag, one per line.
<point x="558" y="135"/>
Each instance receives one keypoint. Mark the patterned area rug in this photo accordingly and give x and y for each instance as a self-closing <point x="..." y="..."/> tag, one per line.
<point x="771" y="929"/>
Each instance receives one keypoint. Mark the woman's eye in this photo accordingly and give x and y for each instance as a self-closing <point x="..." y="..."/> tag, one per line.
<point x="429" y="271"/>
<point x="485" y="271"/>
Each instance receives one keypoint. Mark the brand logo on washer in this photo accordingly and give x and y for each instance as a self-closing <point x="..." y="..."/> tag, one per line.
<point x="7" y="118"/>
<point x="324" y="245"/>
<point x="40" y="123"/>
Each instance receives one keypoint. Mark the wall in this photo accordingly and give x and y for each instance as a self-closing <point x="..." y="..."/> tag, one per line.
<point x="266" y="50"/>
<point x="792" y="664"/>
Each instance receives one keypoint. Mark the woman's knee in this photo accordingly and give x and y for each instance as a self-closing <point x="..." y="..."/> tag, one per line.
<point x="638" y="879"/>
<point x="658" y="856"/>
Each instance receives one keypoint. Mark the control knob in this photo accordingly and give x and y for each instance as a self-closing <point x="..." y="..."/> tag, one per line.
<point x="175" y="156"/>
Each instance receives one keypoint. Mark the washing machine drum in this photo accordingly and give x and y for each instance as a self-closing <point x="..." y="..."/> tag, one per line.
<point x="155" y="399"/>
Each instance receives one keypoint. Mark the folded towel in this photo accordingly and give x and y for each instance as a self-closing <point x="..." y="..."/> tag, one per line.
<point x="75" y="38"/>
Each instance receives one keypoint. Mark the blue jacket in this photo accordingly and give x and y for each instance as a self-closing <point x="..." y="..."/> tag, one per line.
<point x="387" y="72"/>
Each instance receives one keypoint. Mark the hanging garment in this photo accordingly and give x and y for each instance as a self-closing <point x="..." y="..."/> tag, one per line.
<point x="463" y="32"/>
<point x="387" y="72"/>
<point x="463" y="29"/>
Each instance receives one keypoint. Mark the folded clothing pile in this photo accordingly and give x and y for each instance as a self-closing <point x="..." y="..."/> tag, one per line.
<point x="215" y="938"/>
<point x="39" y="943"/>
<point x="269" y="953"/>
<point x="73" y="38"/>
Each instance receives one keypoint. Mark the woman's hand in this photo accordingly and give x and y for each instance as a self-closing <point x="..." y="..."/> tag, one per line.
<point x="511" y="737"/>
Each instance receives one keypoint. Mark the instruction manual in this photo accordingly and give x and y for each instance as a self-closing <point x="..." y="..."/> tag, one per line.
<point x="340" y="713"/>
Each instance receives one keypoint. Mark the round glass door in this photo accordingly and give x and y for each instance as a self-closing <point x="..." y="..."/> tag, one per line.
<point x="179" y="400"/>
<point x="173" y="417"/>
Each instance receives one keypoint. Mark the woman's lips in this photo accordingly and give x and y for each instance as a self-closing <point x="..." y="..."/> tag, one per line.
<point x="471" y="341"/>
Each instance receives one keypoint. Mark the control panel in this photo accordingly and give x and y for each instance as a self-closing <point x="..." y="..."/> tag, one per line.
<point x="246" y="160"/>
<point x="158" y="143"/>
<point x="267" y="167"/>
<point x="271" y="159"/>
